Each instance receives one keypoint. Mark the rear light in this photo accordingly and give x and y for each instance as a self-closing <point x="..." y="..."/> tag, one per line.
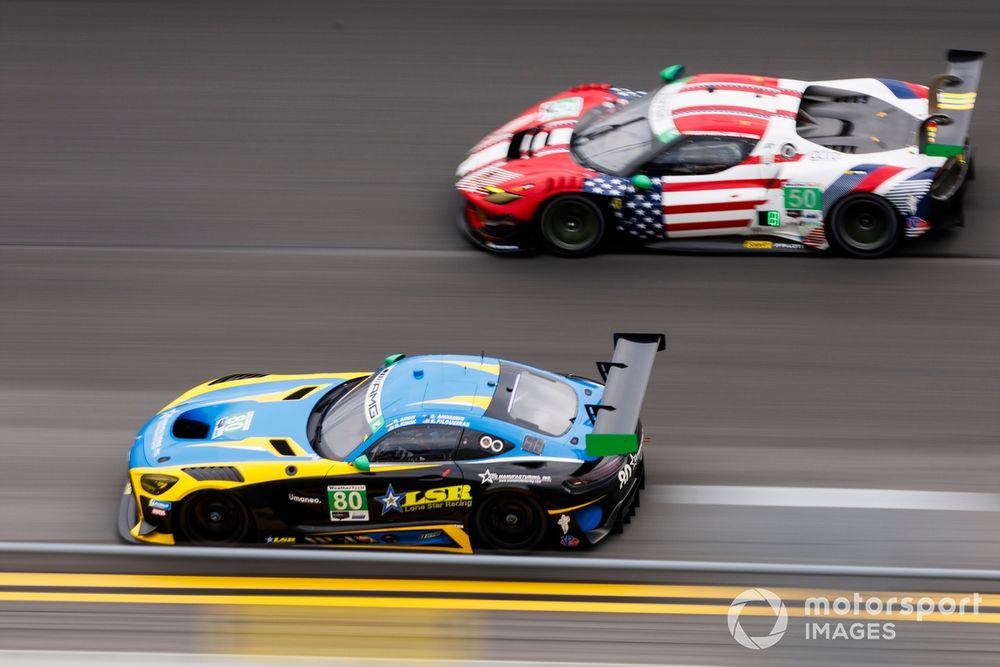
<point x="603" y="471"/>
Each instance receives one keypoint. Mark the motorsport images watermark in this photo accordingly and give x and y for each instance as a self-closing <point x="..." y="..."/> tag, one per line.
<point x="859" y="617"/>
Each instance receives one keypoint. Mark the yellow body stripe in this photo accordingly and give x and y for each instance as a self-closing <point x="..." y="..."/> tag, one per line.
<point x="275" y="396"/>
<point x="492" y="369"/>
<point x="575" y="507"/>
<point x="206" y="388"/>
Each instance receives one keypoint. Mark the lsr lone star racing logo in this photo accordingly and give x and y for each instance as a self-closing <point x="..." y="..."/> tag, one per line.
<point x="445" y="496"/>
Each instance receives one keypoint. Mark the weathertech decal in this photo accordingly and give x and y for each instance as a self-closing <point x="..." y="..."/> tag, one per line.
<point x="348" y="503"/>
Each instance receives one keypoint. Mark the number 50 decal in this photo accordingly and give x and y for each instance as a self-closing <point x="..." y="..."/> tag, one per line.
<point x="798" y="198"/>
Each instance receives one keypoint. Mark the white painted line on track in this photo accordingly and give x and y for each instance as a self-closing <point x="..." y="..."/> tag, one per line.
<point x="130" y="659"/>
<point x="791" y="496"/>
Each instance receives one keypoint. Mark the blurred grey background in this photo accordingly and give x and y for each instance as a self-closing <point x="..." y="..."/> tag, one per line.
<point x="189" y="189"/>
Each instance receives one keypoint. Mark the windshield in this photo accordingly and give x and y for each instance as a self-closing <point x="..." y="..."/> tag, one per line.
<point x="541" y="403"/>
<point x="341" y="420"/>
<point x="618" y="140"/>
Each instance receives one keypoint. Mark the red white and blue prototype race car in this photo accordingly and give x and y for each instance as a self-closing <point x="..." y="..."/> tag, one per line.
<point x="722" y="162"/>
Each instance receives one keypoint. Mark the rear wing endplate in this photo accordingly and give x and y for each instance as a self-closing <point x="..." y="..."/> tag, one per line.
<point x="950" y="100"/>
<point x="626" y="377"/>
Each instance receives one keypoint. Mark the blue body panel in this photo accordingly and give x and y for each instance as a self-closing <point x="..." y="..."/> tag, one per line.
<point x="448" y="389"/>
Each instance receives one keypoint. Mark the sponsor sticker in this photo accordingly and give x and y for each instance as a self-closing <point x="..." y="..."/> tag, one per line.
<point x="459" y="495"/>
<point x="487" y="477"/>
<point x="161" y="504"/>
<point x="348" y="502"/>
<point x="159" y="431"/>
<point x="232" y="424"/>
<point x="373" y="400"/>
<point x="157" y="512"/>
<point x="305" y="500"/>
<point x="271" y="539"/>
<point x="564" y="523"/>
<point x="758" y="245"/>
<point x="627" y="470"/>
<point x="569" y="541"/>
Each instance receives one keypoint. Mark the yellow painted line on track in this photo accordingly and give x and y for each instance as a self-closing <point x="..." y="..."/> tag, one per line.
<point x="459" y="604"/>
<point x="70" y="580"/>
<point x="640" y="595"/>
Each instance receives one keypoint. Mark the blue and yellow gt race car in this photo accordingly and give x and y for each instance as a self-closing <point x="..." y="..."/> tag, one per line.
<point x="437" y="452"/>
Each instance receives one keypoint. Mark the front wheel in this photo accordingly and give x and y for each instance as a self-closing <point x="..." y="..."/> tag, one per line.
<point x="571" y="226"/>
<point x="865" y="225"/>
<point x="510" y="522"/>
<point x="214" y="518"/>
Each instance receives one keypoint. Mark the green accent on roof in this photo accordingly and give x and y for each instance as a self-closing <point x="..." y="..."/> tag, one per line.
<point x="641" y="182"/>
<point x="611" y="444"/>
<point x="393" y="358"/>
<point x="668" y="74"/>
<point x="942" y="150"/>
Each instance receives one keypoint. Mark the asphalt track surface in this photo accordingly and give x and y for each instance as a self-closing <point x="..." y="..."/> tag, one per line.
<point x="192" y="189"/>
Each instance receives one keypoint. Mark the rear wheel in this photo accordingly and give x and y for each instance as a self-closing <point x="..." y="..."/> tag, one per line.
<point x="865" y="225"/>
<point x="571" y="226"/>
<point x="510" y="522"/>
<point x="214" y="518"/>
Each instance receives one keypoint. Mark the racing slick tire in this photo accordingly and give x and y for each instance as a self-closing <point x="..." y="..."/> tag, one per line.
<point x="571" y="226"/>
<point x="510" y="522"/>
<point x="214" y="518"/>
<point x="865" y="226"/>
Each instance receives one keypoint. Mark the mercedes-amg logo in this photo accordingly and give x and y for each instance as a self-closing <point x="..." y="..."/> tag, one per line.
<point x="777" y="607"/>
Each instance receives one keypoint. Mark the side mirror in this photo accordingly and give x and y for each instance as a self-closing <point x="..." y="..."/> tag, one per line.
<point x="362" y="463"/>
<point x="641" y="182"/>
<point x="670" y="74"/>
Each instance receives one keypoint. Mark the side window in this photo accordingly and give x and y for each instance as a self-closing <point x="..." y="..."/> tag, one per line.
<point x="479" y="445"/>
<point x="416" y="444"/>
<point x="700" y="155"/>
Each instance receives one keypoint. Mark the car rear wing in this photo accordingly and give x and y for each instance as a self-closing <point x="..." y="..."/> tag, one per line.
<point x="626" y="377"/>
<point x="950" y="100"/>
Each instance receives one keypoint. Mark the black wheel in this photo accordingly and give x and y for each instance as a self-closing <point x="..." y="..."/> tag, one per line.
<point x="510" y="522"/>
<point x="865" y="225"/>
<point x="214" y="518"/>
<point x="571" y="226"/>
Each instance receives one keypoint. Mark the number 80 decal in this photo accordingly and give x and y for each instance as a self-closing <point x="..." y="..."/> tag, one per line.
<point x="492" y="444"/>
